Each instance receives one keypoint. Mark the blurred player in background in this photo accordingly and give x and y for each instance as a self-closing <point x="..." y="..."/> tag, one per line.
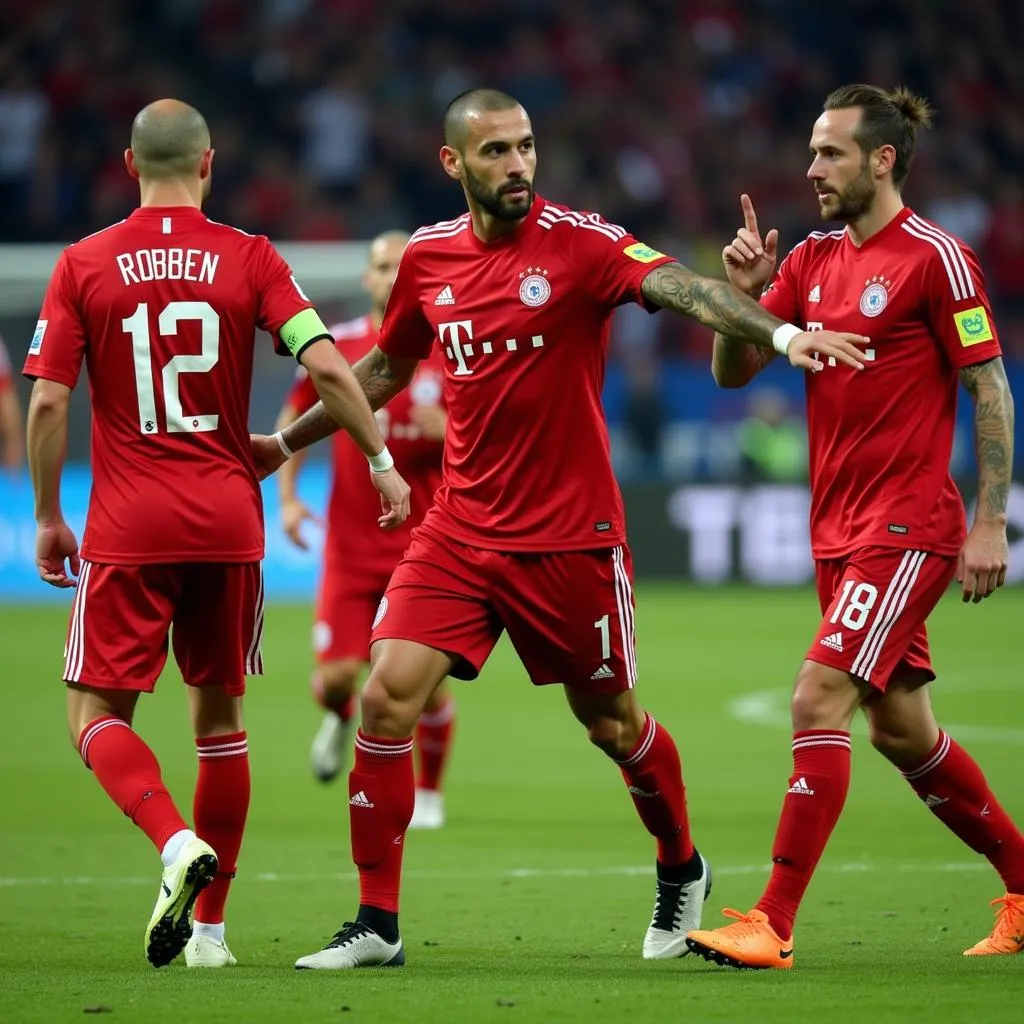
<point x="163" y="307"/>
<point x="358" y="560"/>
<point x="12" y="436"/>
<point x="527" y="532"/>
<point x="888" y="531"/>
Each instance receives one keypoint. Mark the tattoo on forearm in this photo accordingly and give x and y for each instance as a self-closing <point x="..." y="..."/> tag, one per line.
<point x="376" y="378"/>
<point x="714" y="303"/>
<point x="993" y="433"/>
<point x="313" y="425"/>
<point x="733" y="359"/>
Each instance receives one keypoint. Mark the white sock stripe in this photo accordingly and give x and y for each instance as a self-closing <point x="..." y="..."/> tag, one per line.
<point x="76" y="642"/>
<point x="843" y="736"/>
<point x="93" y="731"/>
<point x="206" y="755"/>
<point x="382" y="749"/>
<point x="254" y="656"/>
<point x="883" y="616"/>
<point x="869" y="655"/>
<point x="624" y="603"/>
<point x="222" y="749"/>
<point x="646" y="740"/>
<point x="805" y="744"/>
<point x="933" y="762"/>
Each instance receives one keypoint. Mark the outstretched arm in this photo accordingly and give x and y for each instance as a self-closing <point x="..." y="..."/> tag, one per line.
<point x="715" y="304"/>
<point x="984" y="557"/>
<point x="380" y="377"/>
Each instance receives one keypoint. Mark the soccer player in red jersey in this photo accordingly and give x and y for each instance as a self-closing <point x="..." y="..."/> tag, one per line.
<point x="888" y="530"/>
<point x="163" y="307"/>
<point x="12" y="441"/>
<point x="358" y="561"/>
<point x="527" y="533"/>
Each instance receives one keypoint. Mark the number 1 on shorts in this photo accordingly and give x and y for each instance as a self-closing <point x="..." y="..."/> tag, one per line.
<point x="606" y="640"/>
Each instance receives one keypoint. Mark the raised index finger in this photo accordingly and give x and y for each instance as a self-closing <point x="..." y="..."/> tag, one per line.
<point x="749" y="217"/>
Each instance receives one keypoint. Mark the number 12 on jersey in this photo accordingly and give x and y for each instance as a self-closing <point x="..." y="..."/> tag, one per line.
<point x="137" y="325"/>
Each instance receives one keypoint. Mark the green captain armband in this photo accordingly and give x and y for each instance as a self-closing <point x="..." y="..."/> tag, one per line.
<point x="302" y="330"/>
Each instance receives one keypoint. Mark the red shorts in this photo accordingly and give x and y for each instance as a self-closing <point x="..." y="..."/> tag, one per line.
<point x="117" y="638"/>
<point x="874" y="604"/>
<point x="344" y="615"/>
<point x="569" y="614"/>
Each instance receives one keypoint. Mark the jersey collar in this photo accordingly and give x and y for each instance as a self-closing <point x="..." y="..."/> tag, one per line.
<point x="880" y="236"/>
<point x="528" y="224"/>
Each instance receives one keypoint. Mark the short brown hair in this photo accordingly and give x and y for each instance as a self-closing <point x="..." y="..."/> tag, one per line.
<point x="886" y="119"/>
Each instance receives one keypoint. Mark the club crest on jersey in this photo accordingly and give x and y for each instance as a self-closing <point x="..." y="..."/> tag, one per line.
<point x="534" y="287"/>
<point x="875" y="296"/>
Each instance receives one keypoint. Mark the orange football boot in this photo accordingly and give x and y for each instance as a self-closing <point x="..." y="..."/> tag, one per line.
<point x="1008" y="934"/>
<point x="750" y="942"/>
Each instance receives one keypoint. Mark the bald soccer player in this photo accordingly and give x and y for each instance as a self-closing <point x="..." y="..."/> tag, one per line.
<point x="164" y="307"/>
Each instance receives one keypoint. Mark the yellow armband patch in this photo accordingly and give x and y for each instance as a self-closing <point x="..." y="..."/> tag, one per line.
<point x="642" y="253"/>
<point x="303" y="328"/>
<point x="973" y="327"/>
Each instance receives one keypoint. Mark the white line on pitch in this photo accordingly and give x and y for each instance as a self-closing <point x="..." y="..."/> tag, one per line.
<point x="854" y="867"/>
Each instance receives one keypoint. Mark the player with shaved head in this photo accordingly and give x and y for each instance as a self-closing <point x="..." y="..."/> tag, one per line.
<point x="163" y="308"/>
<point x="527" y="532"/>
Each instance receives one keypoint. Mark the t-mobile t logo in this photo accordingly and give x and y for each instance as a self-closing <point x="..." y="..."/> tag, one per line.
<point x="457" y="339"/>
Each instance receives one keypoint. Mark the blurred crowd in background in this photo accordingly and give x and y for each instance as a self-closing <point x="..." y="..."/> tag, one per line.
<point x="325" y="115"/>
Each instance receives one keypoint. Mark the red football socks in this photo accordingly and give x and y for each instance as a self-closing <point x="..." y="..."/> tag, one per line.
<point x="220" y="809"/>
<point x="952" y="785"/>
<point x="129" y="772"/>
<point x="654" y="777"/>
<point x="434" y="732"/>
<point x="817" y="792"/>
<point x="381" y="798"/>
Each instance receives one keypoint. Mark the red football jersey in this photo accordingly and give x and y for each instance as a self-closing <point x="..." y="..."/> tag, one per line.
<point x="354" y="504"/>
<point x="523" y="323"/>
<point x="881" y="438"/>
<point x="164" y="307"/>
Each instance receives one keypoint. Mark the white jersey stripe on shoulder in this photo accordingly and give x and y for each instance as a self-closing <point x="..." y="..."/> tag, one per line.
<point x="441" y="224"/>
<point x="954" y="277"/>
<point x="231" y="227"/>
<point x="615" y="231"/>
<point x="953" y="247"/>
<point x="109" y="227"/>
<point x="548" y="222"/>
<point x="587" y="220"/>
<point x="425" y="234"/>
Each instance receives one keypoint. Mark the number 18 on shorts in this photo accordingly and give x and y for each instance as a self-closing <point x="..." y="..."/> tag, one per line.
<point x="874" y="605"/>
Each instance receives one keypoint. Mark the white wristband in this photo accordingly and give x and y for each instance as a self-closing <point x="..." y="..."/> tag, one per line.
<point x="381" y="462"/>
<point x="279" y="437"/>
<point x="783" y="336"/>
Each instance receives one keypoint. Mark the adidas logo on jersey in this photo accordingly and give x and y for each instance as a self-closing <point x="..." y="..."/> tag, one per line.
<point x="604" y="672"/>
<point x="359" y="800"/>
<point x="931" y="801"/>
<point x="815" y="294"/>
<point x="833" y="640"/>
<point x="800" y="786"/>
<point x="445" y="297"/>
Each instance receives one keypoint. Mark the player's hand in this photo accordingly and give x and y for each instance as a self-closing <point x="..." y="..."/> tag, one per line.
<point x="749" y="260"/>
<point x="294" y="513"/>
<point x="266" y="454"/>
<point x="809" y="349"/>
<point x="981" y="568"/>
<point x="431" y="419"/>
<point x="394" y="498"/>
<point x="55" y="543"/>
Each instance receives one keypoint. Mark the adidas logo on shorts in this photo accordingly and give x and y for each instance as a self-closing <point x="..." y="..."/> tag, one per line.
<point x="800" y="786"/>
<point x="833" y="640"/>
<point x="604" y="672"/>
<point x="360" y="800"/>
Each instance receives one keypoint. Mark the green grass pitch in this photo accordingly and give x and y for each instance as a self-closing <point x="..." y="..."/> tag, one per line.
<point x="530" y="906"/>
